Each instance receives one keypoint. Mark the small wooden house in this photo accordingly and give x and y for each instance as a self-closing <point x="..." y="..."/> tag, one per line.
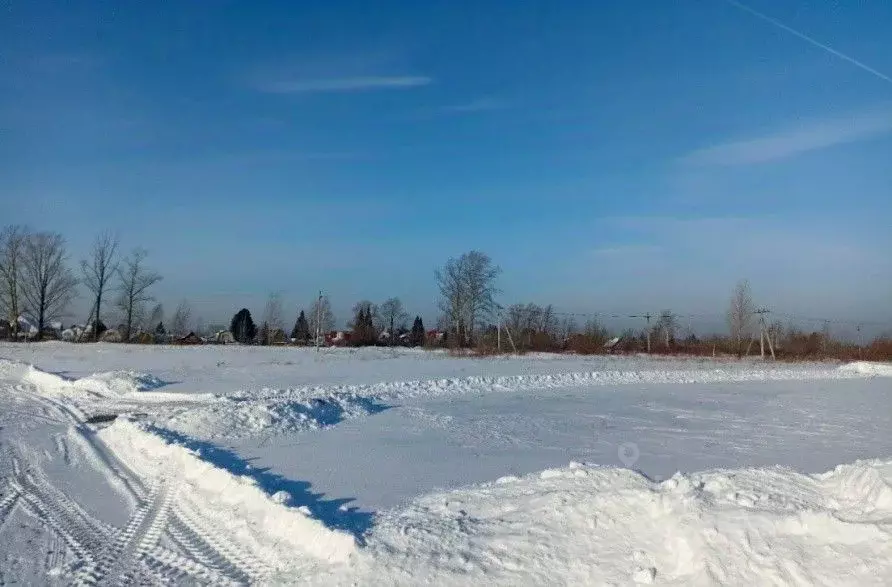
<point x="189" y="339"/>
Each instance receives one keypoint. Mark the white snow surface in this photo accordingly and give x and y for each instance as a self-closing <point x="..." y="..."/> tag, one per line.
<point x="869" y="368"/>
<point x="237" y="505"/>
<point x="280" y="465"/>
<point x="583" y="525"/>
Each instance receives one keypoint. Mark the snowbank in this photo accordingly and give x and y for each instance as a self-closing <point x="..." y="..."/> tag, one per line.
<point x="275" y="533"/>
<point x="585" y="525"/>
<point x="277" y="411"/>
<point x="868" y="368"/>
<point x="243" y="415"/>
<point x="110" y="384"/>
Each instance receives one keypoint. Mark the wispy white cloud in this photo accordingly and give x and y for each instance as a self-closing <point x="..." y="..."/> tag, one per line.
<point x="479" y="105"/>
<point x="343" y="84"/>
<point x="794" y="141"/>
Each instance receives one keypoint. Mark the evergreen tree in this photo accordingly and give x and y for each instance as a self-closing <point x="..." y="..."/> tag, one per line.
<point x="242" y="327"/>
<point x="364" y="332"/>
<point x="301" y="331"/>
<point x="159" y="330"/>
<point x="416" y="337"/>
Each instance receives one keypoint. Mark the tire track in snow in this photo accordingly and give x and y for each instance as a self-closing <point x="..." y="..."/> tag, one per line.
<point x="75" y="540"/>
<point x="132" y="555"/>
<point x="118" y="561"/>
<point x="174" y="566"/>
<point x="11" y="496"/>
<point x="205" y="542"/>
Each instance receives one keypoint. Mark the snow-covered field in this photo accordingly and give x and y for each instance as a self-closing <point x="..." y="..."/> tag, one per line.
<point x="123" y="464"/>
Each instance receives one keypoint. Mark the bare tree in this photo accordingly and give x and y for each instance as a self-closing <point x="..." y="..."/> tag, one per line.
<point x="201" y="328"/>
<point x="740" y="315"/>
<point x="568" y="328"/>
<point x="98" y="271"/>
<point x="667" y="325"/>
<point x="320" y="316"/>
<point x="153" y="318"/>
<point x="179" y="323"/>
<point x="450" y="280"/>
<point x="133" y="289"/>
<point x="393" y="316"/>
<point x="48" y="285"/>
<point x="272" y="316"/>
<point x="467" y="287"/>
<point x="548" y="322"/>
<point x="480" y="280"/>
<point x="12" y="249"/>
<point x="526" y="320"/>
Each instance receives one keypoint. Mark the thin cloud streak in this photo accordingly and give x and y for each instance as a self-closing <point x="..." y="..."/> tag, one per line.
<point x="480" y="105"/>
<point x="810" y="40"/>
<point x="792" y="142"/>
<point x="344" y="84"/>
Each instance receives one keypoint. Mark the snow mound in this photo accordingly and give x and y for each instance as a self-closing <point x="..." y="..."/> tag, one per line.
<point x="868" y="368"/>
<point x="280" y="536"/>
<point x="281" y="411"/>
<point x="585" y="525"/>
<point x="109" y="384"/>
<point x="119" y="383"/>
<point x="247" y="416"/>
<point x="464" y="385"/>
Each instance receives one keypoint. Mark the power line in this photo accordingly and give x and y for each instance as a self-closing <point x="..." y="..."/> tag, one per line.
<point x="714" y="316"/>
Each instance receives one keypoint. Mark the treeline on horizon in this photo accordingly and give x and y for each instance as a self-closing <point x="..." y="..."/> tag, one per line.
<point x="38" y="282"/>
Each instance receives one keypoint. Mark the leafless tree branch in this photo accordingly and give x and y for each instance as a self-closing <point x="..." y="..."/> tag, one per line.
<point x="98" y="271"/>
<point x="135" y="280"/>
<point x="48" y="285"/>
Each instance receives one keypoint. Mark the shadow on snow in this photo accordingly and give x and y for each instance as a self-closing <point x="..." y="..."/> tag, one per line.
<point x="332" y="512"/>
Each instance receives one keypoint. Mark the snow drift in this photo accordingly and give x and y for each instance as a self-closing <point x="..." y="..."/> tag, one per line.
<point x="869" y="368"/>
<point x="585" y="525"/>
<point x="110" y="384"/>
<point x="275" y="533"/>
<point x="271" y="411"/>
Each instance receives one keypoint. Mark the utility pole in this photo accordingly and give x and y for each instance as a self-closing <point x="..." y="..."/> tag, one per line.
<point x="507" y="332"/>
<point x="860" y="340"/>
<point x="667" y="319"/>
<point x="763" y="334"/>
<point x="499" y="334"/>
<point x="318" y="319"/>
<point x="648" y="332"/>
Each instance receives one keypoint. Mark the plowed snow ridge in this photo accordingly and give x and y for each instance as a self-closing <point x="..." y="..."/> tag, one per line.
<point x="271" y="411"/>
<point x="575" y="525"/>
<point x="266" y="411"/>
<point x="271" y="531"/>
<point x="585" y="525"/>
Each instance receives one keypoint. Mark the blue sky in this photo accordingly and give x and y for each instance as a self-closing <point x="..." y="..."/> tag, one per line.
<point x="611" y="156"/>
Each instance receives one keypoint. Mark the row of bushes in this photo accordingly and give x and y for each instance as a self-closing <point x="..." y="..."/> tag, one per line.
<point x="792" y="346"/>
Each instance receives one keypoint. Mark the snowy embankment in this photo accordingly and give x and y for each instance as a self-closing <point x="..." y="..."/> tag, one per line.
<point x="868" y="368"/>
<point x="276" y="411"/>
<point x="584" y="525"/>
<point x="581" y="524"/>
<point x="261" y="524"/>
<point x="270" y="411"/>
